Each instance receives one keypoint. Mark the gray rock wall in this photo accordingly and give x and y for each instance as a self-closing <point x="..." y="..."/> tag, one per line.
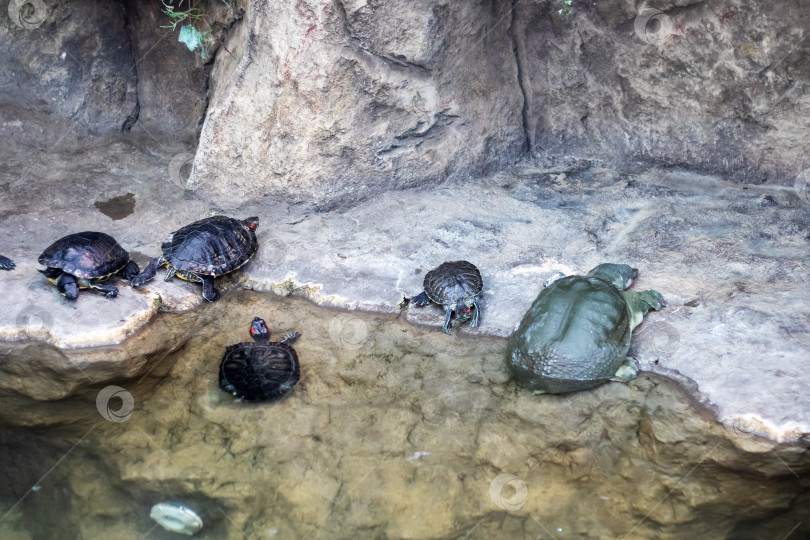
<point x="68" y="62"/>
<point x="335" y="101"/>
<point x="721" y="86"/>
<point x="332" y="102"/>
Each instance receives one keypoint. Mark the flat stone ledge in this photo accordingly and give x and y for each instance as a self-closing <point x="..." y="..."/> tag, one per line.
<point x="730" y="260"/>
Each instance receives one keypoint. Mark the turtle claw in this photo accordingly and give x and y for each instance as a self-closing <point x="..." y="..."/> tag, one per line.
<point x="420" y="299"/>
<point x="6" y="263"/>
<point x="290" y="337"/>
<point x="658" y="300"/>
<point x="110" y="291"/>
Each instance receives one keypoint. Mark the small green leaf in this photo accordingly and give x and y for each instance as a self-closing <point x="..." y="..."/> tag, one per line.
<point x="192" y="39"/>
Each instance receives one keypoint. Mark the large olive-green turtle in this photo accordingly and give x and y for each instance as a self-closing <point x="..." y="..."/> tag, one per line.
<point x="205" y="250"/>
<point x="576" y="334"/>
<point x="456" y="286"/>
<point x="83" y="260"/>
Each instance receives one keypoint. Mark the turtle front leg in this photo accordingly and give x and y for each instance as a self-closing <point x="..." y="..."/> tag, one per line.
<point x="148" y="273"/>
<point x="130" y="271"/>
<point x="448" y="313"/>
<point x="110" y="291"/>
<point x="6" y="263"/>
<point x="209" y="292"/>
<point x="641" y="303"/>
<point x="627" y="371"/>
<point x="476" y="311"/>
<point x="68" y="286"/>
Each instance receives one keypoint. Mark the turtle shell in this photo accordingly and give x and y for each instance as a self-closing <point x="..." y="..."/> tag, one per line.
<point x="87" y="254"/>
<point x="212" y="246"/>
<point x="259" y="371"/>
<point x="453" y="281"/>
<point x="575" y="336"/>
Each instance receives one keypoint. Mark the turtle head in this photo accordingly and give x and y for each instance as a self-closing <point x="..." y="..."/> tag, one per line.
<point x="619" y="275"/>
<point x="259" y="331"/>
<point x="251" y="223"/>
<point x="68" y="286"/>
<point x="464" y="309"/>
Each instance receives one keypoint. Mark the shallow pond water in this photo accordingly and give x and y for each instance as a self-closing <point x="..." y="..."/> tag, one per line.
<point x="394" y="431"/>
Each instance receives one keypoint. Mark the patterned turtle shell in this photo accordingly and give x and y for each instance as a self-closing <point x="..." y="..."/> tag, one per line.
<point x="259" y="371"/>
<point x="213" y="246"/>
<point x="453" y="281"/>
<point x="87" y="254"/>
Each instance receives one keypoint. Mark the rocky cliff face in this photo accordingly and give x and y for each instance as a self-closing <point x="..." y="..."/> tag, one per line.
<point x="334" y="101"/>
<point x="718" y="86"/>
<point x="330" y="102"/>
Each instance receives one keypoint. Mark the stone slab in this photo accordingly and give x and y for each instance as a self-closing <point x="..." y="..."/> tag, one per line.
<point x="730" y="259"/>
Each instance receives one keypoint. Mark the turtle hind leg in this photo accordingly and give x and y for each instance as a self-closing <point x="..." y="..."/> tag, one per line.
<point x="6" y="263"/>
<point x="130" y="271"/>
<point x="290" y="337"/>
<point x="641" y="303"/>
<point x="420" y="299"/>
<point x="68" y="286"/>
<point x="209" y="292"/>
<point x="148" y="273"/>
<point x="627" y="371"/>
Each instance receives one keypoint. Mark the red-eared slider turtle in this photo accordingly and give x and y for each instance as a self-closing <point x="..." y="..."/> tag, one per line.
<point x="205" y="250"/>
<point x="577" y="333"/>
<point x="261" y="370"/>
<point x="83" y="260"/>
<point x="6" y="263"/>
<point x="456" y="286"/>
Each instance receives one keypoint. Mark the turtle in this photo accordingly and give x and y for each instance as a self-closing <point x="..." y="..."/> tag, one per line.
<point x="205" y="250"/>
<point x="83" y="260"/>
<point x="576" y="334"/>
<point x="6" y="263"/>
<point x="260" y="370"/>
<point x="457" y="287"/>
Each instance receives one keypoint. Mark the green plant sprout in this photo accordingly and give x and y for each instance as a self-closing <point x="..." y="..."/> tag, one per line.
<point x="190" y="35"/>
<point x="566" y="10"/>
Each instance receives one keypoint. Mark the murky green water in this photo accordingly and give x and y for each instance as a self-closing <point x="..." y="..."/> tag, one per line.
<point x="394" y="431"/>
